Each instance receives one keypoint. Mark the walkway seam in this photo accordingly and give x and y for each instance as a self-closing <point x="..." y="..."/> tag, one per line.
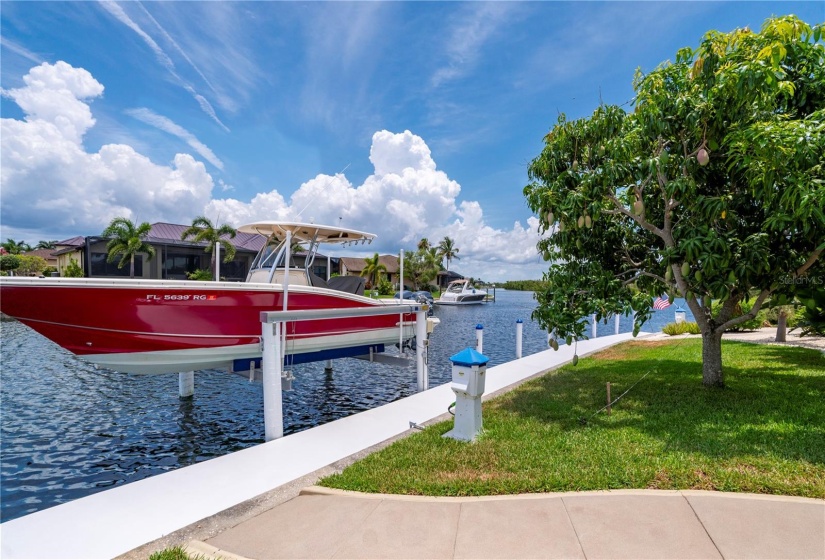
<point x="457" y="524"/>
<point x="699" y="519"/>
<point x="363" y="520"/>
<point x="570" y="519"/>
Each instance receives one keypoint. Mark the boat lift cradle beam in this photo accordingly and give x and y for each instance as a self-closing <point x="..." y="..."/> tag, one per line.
<point x="273" y="327"/>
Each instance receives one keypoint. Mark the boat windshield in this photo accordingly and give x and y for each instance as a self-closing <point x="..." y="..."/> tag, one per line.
<point x="456" y="288"/>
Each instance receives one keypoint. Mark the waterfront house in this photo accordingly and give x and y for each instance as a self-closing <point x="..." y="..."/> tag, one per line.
<point x="354" y="266"/>
<point x="173" y="258"/>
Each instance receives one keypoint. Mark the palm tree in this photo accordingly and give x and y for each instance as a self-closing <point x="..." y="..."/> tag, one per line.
<point x="13" y="247"/>
<point x="127" y="239"/>
<point x="424" y="244"/>
<point x="373" y="269"/>
<point x="448" y="250"/>
<point x="42" y="244"/>
<point x="202" y="230"/>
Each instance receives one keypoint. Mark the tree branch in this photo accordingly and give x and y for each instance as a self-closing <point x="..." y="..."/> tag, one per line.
<point x="638" y="219"/>
<point x="809" y="263"/>
<point x="747" y="316"/>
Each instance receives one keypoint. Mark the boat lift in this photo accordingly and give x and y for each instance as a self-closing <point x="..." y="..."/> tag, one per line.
<point x="273" y="325"/>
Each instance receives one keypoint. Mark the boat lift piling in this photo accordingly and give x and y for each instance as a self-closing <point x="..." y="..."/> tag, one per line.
<point x="186" y="384"/>
<point x="273" y="327"/>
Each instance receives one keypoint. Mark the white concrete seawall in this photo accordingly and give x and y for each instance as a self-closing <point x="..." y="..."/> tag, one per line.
<point x="112" y="522"/>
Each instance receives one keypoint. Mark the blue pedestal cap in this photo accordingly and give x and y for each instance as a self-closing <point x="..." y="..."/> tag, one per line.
<point x="479" y="327"/>
<point x="469" y="357"/>
<point x="519" y="321"/>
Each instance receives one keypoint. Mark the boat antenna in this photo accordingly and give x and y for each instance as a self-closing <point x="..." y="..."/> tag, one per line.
<point x="325" y="186"/>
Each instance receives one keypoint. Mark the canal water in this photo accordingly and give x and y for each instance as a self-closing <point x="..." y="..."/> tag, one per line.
<point x="68" y="430"/>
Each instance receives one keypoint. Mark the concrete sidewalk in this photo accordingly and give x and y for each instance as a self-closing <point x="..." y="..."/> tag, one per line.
<point x="656" y="524"/>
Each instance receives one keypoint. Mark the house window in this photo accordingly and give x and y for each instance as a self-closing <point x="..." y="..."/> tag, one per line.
<point x="102" y="268"/>
<point x="235" y="270"/>
<point x="176" y="266"/>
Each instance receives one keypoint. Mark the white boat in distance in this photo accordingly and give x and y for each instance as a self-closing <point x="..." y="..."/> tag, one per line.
<point x="461" y="292"/>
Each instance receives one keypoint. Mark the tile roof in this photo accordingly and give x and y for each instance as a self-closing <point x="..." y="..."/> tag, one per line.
<point x="162" y="232"/>
<point x="170" y="234"/>
<point x="76" y="241"/>
<point x="46" y="254"/>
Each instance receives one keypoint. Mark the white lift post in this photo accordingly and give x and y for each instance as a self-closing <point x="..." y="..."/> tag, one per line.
<point x="272" y="328"/>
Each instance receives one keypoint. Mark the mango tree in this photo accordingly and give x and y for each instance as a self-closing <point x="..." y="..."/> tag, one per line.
<point x="712" y="188"/>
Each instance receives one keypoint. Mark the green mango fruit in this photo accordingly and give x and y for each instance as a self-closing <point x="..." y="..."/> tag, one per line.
<point x="698" y="275"/>
<point x="580" y="222"/>
<point x="554" y="344"/>
<point x="588" y="223"/>
<point x="668" y="274"/>
<point x="685" y="269"/>
<point x="569" y="340"/>
<point x="575" y="359"/>
<point x="638" y="207"/>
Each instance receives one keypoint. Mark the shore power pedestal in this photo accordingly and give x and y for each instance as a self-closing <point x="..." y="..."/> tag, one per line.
<point x="469" y="373"/>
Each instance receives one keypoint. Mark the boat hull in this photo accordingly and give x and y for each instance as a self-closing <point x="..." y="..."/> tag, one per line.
<point x="464" y="299"/>
<point x="146" y="326"/>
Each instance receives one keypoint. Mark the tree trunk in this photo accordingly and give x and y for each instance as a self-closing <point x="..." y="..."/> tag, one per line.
<point x="132" y="266"/>
<point x="712" y="375"/>
<point x="781" y="326"/>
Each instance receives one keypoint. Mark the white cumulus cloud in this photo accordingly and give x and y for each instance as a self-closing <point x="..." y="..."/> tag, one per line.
<point x="405" y="199"/>
<point x="50" y="182"/>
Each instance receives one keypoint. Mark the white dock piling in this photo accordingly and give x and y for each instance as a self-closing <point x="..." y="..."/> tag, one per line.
<point x="421" y="369"/>
<point x="480" y="338"/>
<point x="271" y="366"/>
<point x="519" y="332"/>
<point x="617" y="317"/>
<point x="186" y="384"/>
<point x="594" y="326"/>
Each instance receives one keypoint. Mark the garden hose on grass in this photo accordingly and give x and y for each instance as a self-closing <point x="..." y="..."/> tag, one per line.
<point x="450" y="408"/>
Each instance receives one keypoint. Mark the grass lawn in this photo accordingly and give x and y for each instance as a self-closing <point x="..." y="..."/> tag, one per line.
<point x="763" y="433"/>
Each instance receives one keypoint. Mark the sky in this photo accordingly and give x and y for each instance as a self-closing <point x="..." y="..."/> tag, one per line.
<point x="403" y="119"/>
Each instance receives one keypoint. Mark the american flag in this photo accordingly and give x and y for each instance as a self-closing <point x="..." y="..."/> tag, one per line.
<point x="661" y="303"/>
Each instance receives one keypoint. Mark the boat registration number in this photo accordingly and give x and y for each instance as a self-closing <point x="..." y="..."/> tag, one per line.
<point x="181" y="297"/>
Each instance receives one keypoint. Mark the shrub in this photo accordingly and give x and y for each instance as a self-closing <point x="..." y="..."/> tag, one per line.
<point x="201" y="275"/>
<point x="73" y="269"/>
<point x="31" y="264"/>
<point x="9" y="262"/>
<point x="385" y="287"/>
<point x="684" y="327"/>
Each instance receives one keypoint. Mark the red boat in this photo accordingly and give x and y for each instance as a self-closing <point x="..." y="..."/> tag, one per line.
<point x="166" y="326"/>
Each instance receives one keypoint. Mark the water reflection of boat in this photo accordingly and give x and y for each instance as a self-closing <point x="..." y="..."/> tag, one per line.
<point x="165" y="326"/>
<point x="461" y="292"/>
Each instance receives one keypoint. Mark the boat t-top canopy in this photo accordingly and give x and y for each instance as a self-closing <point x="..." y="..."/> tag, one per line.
<point x="308" y="232"/>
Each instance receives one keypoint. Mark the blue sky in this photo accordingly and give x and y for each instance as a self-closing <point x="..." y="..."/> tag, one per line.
<point x="408" y="120"/>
